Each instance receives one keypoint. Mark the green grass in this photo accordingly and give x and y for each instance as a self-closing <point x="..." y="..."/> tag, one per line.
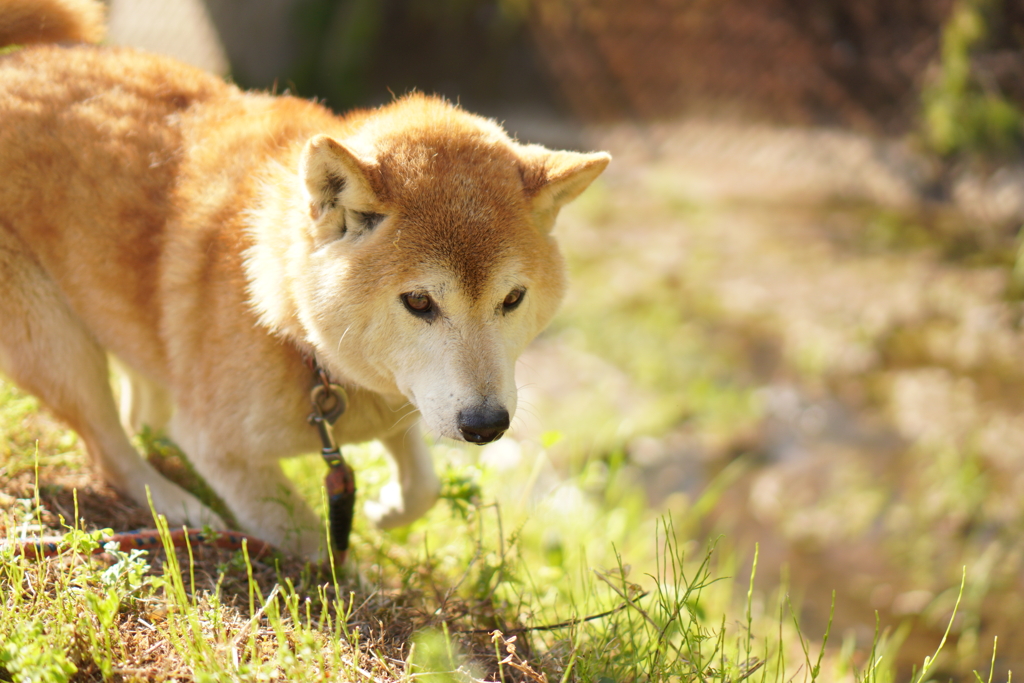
<point x="508" y="579"/>
<point x="546" y="560"/>
<point x="963" y="114"/>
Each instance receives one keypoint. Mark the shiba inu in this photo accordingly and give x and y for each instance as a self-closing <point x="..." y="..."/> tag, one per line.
<point x="214" y="243"/>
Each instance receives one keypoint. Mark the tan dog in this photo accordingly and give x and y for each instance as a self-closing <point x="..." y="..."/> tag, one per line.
<point x="211" y="240"/>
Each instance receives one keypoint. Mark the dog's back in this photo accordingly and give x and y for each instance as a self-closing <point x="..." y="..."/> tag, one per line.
<point x="90" y="146"/>
<point x="24" y="22"/>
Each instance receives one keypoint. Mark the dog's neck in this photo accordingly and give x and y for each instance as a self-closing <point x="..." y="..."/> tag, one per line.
<point x="273" y="256"/>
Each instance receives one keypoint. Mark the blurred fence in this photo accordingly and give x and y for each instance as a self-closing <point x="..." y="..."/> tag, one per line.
<point x="850" y="62"/>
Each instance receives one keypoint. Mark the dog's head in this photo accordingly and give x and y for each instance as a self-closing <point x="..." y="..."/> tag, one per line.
<point x="427" y="262"/>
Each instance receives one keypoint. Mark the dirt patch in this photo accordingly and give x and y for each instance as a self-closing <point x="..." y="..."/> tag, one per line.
<point x="878" y="346"/>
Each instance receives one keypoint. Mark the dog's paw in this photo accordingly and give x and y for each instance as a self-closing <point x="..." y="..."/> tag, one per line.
<point x="182" y="508"/>
<point x="395" y="508"/>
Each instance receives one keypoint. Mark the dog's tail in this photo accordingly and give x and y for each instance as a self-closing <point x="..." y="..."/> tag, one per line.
<point x="50" y="21"/>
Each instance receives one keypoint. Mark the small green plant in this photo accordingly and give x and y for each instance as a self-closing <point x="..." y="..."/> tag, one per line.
<point x="964" y="113"/>
<point x="460" y="488"/>
<point x="27" y="655"/>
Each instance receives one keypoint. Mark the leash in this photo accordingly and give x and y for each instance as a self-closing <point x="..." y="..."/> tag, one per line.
<point x="149" y="539"/>
<point x="329" y="402"/>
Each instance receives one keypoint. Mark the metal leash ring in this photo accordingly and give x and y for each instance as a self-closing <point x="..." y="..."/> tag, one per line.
<point x="329" y="400"/>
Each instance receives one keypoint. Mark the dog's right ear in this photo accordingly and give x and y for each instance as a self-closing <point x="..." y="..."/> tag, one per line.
<point x="335" y="178"/>
<point x="553" y="179"/>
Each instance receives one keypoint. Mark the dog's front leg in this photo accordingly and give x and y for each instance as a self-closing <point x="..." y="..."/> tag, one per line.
<point x="263" y="500"/>
<point x="414" y="485"/>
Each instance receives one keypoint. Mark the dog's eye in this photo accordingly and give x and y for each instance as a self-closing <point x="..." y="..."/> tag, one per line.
<point x="513" y="299"/>
<point x="417" y="301"/>
<point x="419" y="304"/>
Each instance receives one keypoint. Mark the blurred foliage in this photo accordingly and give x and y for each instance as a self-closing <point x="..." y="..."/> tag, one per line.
<point x="856" y="63"/>
<point x="964" y="111"/>
<point x="353" y="52"/>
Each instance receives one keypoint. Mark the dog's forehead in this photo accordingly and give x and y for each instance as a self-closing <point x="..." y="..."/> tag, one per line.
<point x="462" y="205"/>
<point x="433" y="166"/>
<point x="468" y="258"/>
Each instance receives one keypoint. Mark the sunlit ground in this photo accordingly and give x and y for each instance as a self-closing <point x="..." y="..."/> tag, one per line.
<point x="779" y="314"/>
<point x="768" y="343"/>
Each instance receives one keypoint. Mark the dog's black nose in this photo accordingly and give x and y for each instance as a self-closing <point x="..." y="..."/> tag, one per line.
<point x="484" y="425"/>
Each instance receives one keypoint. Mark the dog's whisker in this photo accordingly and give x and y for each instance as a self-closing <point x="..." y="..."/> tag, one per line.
<point x="526" y="365"/>
<point x="520" y="420"/>
<point x="401" y="417"/>
<point x="528" y="409"/>
<point x="342" y="337"/>
<point x="526" y="404"/>
<point x="402" y="407"/>
<point x="408" y="429"/>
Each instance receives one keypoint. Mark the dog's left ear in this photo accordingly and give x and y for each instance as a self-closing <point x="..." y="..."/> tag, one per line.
<point x="335" y="178"/>
<point x="553" y="179"/>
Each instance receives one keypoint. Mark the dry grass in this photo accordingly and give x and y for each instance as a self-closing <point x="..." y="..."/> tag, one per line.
<point x="483" y="590"/>
<point x="825" y="380"/>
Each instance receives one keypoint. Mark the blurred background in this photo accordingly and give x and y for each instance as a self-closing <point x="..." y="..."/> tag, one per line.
<point x="796" y="307"/>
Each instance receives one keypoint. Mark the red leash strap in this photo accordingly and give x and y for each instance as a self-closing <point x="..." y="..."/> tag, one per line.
<point x="149" y="539"/>
<point x="341" y="500"/>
